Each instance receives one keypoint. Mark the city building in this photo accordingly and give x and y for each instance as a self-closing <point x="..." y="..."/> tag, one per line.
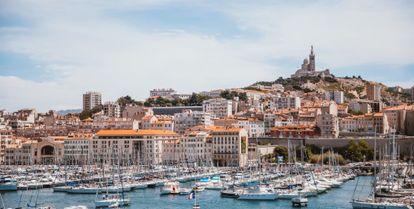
<point x="46" y="151"/>
<point x="230" y="147"/>
<point x="220" y="107"/>
<point x="136" y="112"/>
<point x="295" y="131"/>
<point x="162" y="92"/>
<point x="197" y="148"/>
<point x="337" y="96"/>
<point x="373" y="91"/>
<point x="188" y="119"/>
<point x="112" y="109"/>
<point x="158" y="122"/>
<point x="77" y="149"/>
<point x="369" y="124"/>
<point x="91" y="100"/>
<point x="286" y="102"/>
<point x="143" y="147"/>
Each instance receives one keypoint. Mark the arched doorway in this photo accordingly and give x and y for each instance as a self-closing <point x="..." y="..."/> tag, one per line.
<point x="47" y="154"/>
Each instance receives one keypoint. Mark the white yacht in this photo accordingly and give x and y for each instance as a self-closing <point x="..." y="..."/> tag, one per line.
<point x="257" y="192"/>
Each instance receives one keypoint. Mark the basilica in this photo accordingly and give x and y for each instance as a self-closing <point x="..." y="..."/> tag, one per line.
<point x="308" y="68"/>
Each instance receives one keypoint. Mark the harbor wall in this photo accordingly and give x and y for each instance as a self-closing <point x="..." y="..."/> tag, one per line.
<point x="404" y="145"/>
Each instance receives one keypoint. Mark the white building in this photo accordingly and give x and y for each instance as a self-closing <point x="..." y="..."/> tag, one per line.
<point x="112" y="109"/>
<point x="91" y="100"/>
<point x="188" y="119"/>
<point x="289" y="102"/>
<point x="337" y="96"/>
<point x="197" y="148"/>
<point x="219" y="107"/>
<point x="254" y="127"/>
<point x="162" y="92"/>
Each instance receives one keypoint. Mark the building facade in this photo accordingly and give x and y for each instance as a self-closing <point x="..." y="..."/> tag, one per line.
<point x="91" y="100"/>
<point x="220" y="107"/>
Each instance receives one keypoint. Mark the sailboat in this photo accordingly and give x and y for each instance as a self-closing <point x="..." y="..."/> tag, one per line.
<point x="112" y="200"/>
<point x="372" y="202"/>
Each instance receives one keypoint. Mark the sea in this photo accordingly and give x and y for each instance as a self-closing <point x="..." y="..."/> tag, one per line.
<point x="150" y="198"/>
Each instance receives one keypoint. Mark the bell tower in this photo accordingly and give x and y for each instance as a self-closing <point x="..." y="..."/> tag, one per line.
<point x="311" y="66"/>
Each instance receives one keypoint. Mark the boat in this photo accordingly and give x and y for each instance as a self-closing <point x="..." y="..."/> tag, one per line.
<point x="8" y="184"/>
<point x="198" y="188"/>
<point x="257" y="192"/>
<point x="109" y="200"/>
<point x="76" y="207"/>
<point x="231" y="193"/>
<point x="170" y="187"/>
<point x="62" y="188"/>
<point x="300" y="201"/>
<point x="215" y="184"/>
<point x="369" y="204"/>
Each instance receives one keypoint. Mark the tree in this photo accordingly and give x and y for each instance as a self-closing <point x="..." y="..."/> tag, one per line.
<point x="281" y="151"/>
<point x="89" y="113"/>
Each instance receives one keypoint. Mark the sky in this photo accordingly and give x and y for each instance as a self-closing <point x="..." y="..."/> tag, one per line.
<point x="51" y="52"/>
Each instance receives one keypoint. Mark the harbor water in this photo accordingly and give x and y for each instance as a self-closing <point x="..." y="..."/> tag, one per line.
<point x="335" y="198"/>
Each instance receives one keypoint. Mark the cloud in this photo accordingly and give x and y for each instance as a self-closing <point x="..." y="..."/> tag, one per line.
<point x="84" y="46"/>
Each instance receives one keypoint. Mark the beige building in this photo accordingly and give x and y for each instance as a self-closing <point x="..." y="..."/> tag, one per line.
<point x="28" y="152"/>
<point x="368" y="124"/>
<point x="157" y="123"/>
<point x="230" y="147"/>
<point x="144" y="147"/>
<point x="374" y="91"/>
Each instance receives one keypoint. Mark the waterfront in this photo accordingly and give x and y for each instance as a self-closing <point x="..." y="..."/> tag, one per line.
<point x="150" y="198"/>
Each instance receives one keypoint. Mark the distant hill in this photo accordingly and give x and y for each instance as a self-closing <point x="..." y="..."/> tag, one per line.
<point x="64" y="112"/>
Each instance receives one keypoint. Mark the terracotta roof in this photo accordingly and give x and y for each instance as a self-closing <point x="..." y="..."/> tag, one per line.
<point x="135" y="132"/>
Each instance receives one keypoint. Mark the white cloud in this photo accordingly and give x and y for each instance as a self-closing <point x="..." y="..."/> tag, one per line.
<point x="89" y="50"/>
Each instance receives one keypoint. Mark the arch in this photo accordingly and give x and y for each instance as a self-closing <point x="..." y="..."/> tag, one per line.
<point x="47" y="150"/>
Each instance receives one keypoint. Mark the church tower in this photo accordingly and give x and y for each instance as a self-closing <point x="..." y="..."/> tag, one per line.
<point x="311" y="66"/>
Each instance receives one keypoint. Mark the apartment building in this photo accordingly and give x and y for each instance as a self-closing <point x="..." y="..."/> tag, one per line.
<point x="188" y="119"/>
<point x="144" y="147"/>
<point x="230" y="147"/>
<point x="219" y="107"/>
<point x="91" y="100"/>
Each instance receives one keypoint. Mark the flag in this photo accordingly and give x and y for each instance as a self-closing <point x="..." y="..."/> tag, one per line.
<point x="191" y="195"/>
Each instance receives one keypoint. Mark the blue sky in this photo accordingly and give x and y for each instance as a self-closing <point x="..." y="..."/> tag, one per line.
<point x="53" y="51"/>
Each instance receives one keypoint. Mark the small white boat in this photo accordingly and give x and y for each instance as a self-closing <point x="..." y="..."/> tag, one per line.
<point x="76" y="207"/>
<point x="257" y="192"/>
<point x="368" y="204"/>
<point x="109" y="200"/>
